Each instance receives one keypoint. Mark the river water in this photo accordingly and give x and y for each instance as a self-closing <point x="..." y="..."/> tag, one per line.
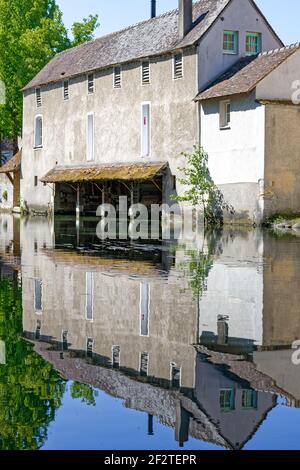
<point x="130" y="345"/>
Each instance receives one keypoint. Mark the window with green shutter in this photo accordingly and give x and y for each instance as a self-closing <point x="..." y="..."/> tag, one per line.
<point x="253" y="43"/>
<point x="249" y="399"/>
<point x="230" y="42"/>
<point x="227" y="400"/>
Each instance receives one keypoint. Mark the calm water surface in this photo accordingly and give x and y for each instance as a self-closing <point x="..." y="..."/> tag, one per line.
<point x="147" y="346"/>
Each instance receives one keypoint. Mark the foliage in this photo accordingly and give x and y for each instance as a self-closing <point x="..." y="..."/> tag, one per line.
<point x="5" y="195"/>
<point x="30" y="389"/>
<point x="202" y="191"/>
<point x="84" y="30"/>
<point x="200" y="262"/>
<point x="31" y="33"/>
<point x="84" y="392"/>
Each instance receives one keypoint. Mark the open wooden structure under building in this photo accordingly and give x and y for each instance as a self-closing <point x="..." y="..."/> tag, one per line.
<point x="85" y="188"/>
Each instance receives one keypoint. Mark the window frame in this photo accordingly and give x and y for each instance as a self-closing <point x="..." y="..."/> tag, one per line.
<point x="35" y="146"/>
<point x="63" y="90"/>
<point x="114" y="77"/>
<point x="148" y="287"/>
<point x="89" y="301"/>
<point x="174" y="66"/>
<point x="38" y="311"/>
<point x="88" y="83"/>
<point x="224" y="408"/>
<point x="146" y="103"/>
<point x="251" y="35"/>
<point x="173" y="366"/>
<point x="235" y="34"/>
<point x="87" y="138"/>
<point x="142" y="72"/>
<point x="38" y="92"/>
<point x="224" y="122"/>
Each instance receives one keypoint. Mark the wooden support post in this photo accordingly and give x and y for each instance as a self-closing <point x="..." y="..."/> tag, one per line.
<point x="10" y="178"/>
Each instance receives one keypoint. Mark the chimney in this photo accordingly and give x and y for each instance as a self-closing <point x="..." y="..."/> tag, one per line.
<point x="153" y="8"/>
<point x="185" y="17"/>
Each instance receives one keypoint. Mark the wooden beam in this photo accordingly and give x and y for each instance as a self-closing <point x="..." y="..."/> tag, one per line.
<point x="127" y="187"/>
<point x="155" y="184"/>
<point x="10" y="178"/>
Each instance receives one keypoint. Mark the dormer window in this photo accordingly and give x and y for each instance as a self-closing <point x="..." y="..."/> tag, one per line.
<point x="253" y="43"/>
<point x="230" y="42"/>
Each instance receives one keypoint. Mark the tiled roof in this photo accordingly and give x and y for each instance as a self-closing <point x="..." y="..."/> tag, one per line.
<point x="109" y="172"/>
<point x="13" y="164"/>
<point x="152" y="37"/>
<point x="245" y="74"/>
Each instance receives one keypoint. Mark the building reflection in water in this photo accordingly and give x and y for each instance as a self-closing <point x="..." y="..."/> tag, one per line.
<point x="198" y="334"/>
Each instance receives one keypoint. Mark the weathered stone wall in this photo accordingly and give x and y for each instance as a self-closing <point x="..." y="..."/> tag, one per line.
<point x="282" y="158"/>
<point x="117" y="121"/>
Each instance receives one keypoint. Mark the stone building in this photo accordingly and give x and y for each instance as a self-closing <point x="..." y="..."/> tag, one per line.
<point x="111" y="117"/>
<point x="250" y="118"/>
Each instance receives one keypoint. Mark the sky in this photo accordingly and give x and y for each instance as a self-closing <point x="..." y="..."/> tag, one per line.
<point x="117" y="14"/>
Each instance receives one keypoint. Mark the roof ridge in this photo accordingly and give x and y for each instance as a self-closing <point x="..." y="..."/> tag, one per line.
<point x="127" y="28"/>
<point x="280" y="49"/>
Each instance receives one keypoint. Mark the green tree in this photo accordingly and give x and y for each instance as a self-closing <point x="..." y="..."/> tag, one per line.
<point x="31" y="33"/>
<point x="84" y="31"/>
<point x="201" y="189"/>
<point x="30" y="389"/>
<point x="84" y="392"/>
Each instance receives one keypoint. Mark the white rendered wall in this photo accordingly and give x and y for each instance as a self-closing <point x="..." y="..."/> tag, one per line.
<point x="239" y="16"/>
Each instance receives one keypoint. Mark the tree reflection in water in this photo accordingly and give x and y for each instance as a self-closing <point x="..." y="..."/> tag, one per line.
<point x="30" y="389"/>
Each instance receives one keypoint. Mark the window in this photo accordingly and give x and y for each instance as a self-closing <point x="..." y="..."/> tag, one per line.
<point x="38" y="330"/>
<point x="249" y="399"/>
<point x="117" y="77"/>
<point x="64" y="340"/>
<point x="66" y="90"/>
<point x="227" y="399"/>
<point x="230" y="42"/>
<point x="36" y="181"/>
<point x="89" y="347"/>
<point x="178" y="66"/>
<point x="146" y="72"/>
<point x="144" y="363"/>
<point x="89" y="307"/>
<point x="90" y="137"/>
<point x="175" y="376"/>
<point x="225" y="114"/>
<point x="145" y="130"/>
<point x="91" y="86"/>
<point x="253" y="43"/>
<point x="38" y="132"/>
<point x="116" y="351"/>
<point x="38" y="295"/>
<point x="38" y="96"/>
<point x="144" y="309"/>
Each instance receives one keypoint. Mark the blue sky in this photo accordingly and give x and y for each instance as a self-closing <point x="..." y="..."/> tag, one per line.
<point x="116" y="14"/>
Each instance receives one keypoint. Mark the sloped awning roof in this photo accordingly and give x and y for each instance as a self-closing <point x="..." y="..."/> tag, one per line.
<point x="13" y="164"/>
<point x="117" y="172"/>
